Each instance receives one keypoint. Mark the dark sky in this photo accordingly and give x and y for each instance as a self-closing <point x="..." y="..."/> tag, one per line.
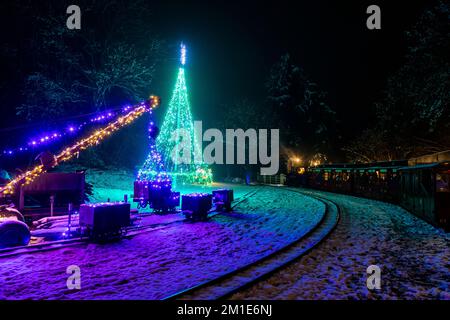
<point x="233" y="44"/>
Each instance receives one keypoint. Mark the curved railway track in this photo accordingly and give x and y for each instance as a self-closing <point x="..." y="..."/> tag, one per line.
<point x="244" y="277"/>
<point x="129" y="233"/>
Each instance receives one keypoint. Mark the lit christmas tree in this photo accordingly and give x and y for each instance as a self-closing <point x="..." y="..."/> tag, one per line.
<point x="180" y="157"/>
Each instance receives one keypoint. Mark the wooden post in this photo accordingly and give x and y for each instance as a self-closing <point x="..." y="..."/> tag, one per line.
<point x="21" y="199"/>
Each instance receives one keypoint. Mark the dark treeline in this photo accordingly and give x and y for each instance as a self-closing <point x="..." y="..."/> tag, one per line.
<point x="51" y="73"/>
<point x="413" y="115"/>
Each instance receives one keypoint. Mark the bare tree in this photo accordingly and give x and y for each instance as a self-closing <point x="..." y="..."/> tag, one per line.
<point x="110" y="60"/>
<point x="413" y="116"/>
<point x="300" y="107"/>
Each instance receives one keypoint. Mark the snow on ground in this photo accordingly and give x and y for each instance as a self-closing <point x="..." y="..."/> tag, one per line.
<point x="155" y="264"/>
<point x="414" y="258"/>
<point x="110" y="186"/>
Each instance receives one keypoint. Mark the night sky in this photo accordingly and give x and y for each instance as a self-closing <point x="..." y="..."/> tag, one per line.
<point x="232" y="45"/>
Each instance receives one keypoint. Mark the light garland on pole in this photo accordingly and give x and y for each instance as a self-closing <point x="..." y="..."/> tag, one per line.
<point x="68" y="130"/>
<point x="153" y="167"/>
<point x="83" y="144"/>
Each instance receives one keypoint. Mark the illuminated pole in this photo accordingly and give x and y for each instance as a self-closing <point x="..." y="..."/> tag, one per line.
<point x="153" y="167"/>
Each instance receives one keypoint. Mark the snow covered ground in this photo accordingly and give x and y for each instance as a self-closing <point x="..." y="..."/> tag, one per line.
<point x="155" y="264"/>
<point x="414" y="258"/>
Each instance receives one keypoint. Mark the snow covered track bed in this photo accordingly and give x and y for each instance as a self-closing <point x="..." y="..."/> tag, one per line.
<point x="157" y="264"/>
<point x="131" y="231"/>
<point x="413" y="256"/>
<point x="54" y="245"/>
<point x="225" y="286"/>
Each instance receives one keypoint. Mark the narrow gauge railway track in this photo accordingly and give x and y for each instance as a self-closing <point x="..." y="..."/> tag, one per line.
<point x="225" y="286"/>
<point x="129" y="233"/>
<point x="213" y="213"/>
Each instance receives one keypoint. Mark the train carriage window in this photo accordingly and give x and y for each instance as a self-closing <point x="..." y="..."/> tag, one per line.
<point x="408" y="183"/>
<point x="411" y="184"/>
<point x="345" y="176"/>
<point x="427" y="181"/>
<point x="415" y="186"/>
<point x="442" y="182"/>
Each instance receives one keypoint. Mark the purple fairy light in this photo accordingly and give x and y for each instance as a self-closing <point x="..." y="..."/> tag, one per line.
<point x="67" y="129"/>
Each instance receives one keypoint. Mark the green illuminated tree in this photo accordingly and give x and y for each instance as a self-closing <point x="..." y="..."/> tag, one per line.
<point x="181" y="152"/>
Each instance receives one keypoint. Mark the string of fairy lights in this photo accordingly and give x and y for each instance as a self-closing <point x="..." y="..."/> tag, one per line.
<point x="158" y="166"/>
<point x="92" y="140"/>
<point x="68" y="130"/>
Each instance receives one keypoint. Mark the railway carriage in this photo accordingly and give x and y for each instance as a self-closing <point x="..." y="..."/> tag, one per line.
<point x="425" y="191"/>
<point x="422" y="189"/>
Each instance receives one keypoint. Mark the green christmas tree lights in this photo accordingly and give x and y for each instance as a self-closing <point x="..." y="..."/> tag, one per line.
<point x="178" y="155"/>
